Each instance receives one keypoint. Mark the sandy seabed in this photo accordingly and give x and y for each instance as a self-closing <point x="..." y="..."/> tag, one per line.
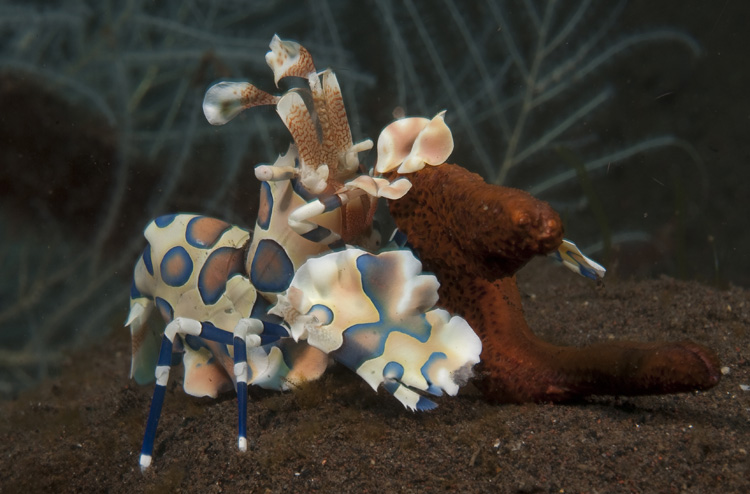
<point x="81" y="431"/>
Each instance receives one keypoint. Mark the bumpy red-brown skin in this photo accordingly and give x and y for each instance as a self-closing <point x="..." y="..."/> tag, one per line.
<point x="474" y="237"/>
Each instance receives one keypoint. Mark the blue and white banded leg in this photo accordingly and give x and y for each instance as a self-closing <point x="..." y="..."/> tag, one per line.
<point x="572" y="258"/>
<point x="300" y="218"/>
<point x="392" y="382"/>
<point x="248" y="331"/>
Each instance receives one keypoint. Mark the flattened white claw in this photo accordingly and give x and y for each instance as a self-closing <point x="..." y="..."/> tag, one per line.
<point x="376" y="311"/>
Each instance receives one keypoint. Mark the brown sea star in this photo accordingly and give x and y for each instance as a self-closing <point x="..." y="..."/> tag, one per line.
<point x="475" y="237"/>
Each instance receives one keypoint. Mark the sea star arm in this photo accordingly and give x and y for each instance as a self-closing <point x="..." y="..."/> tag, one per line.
<point x="474" y="237"/>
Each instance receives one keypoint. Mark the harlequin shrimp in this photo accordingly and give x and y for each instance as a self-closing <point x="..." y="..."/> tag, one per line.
<point x="214" y="283"/>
